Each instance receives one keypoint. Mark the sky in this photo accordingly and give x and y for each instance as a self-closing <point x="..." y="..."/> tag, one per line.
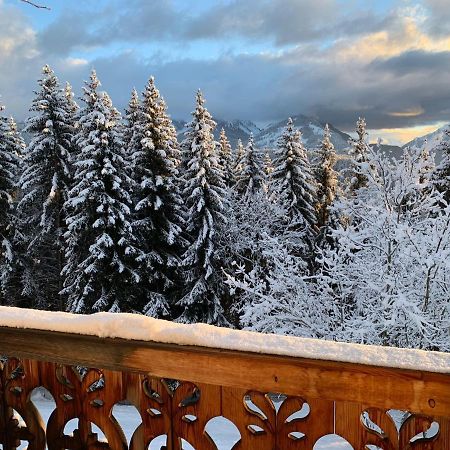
<point x="259" y="60"/>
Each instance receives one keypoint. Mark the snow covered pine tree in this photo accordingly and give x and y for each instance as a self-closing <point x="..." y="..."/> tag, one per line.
<point x="293" y="179"/>
<point x="251" y="178"/>
<point x="158" y="217"/>
<point x="100" y="256"/>
<point x="326" y="178"/>
<point x="45" y="183"/>
<point x="204" y="195"/>
<point x="358" y="154"/>
<point x="226" y="158"/>
<point x="11" y="147"/>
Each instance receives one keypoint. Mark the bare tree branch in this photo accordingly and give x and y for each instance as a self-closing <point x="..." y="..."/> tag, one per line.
<point x="36" y="5"/>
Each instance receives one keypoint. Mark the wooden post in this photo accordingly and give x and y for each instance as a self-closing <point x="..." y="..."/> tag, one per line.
<point x="6" y="440"/>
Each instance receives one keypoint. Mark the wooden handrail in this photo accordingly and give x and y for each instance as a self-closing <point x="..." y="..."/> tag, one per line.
<point x="346" y="398"/>
<point x="382" y="387"/>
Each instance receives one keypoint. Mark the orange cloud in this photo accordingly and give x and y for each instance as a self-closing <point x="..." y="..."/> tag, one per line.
<point x="412" y="112"/>
<point x="400" y="136"/>
<point x="389" y="43"/>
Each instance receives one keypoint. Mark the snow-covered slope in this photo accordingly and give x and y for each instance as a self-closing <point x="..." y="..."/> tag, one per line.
<point x="312" y="132"/>
<point x="431" y="141"/>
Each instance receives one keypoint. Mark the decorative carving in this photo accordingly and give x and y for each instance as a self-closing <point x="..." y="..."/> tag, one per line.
<point x="368" y="428"/>
<point x="182" y="410"/>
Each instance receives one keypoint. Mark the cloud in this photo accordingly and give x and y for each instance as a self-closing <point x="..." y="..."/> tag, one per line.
<point x="18" y="54"/>
<point x="116" y="21"/>
<point x="436" y="17"/>
<point x="411" y="112"/>
<point x="387" y="67"/>
<point x="284" y="21"/>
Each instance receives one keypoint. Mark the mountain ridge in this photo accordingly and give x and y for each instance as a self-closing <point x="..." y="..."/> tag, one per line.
<point x="267" y="137"/>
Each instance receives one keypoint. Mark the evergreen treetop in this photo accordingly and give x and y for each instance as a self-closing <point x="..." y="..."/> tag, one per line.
<point x="99" y="271"/>
<point x="204" y="195"/>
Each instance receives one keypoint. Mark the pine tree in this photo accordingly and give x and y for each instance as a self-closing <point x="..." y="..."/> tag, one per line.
<point x="72" y="104"/>
<point x="204" y="195"/>
<point x="441" y="175"/>
<point x="45" y="183"/>
<point x="268" y="165"/>
<point x="131" y="136"/>
<point x="226" y="158"/>
<point x="326" y="178"/>
<point x="99" y="273"/>
<point x="11" y="147"/>
<point x="238" y="160"/>
<point x="158" y="217"/>
<point x="358" y="156"/>
<point x="293" y="179"/>
<point x="251" y="178"/>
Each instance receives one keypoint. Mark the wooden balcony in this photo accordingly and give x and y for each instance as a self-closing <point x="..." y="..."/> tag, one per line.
<point x="320" y="397"/>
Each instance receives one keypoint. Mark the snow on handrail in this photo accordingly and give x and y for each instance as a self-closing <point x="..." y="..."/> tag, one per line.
<point x="141" y="328"/>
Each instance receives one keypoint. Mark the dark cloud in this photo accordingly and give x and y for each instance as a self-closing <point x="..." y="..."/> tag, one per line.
<point x="262" y="88"/>
<point x="284" y="21"/>
<point x="413" y="63"/>
<point x="140" y="21"/>
<point x="116" y="21"/>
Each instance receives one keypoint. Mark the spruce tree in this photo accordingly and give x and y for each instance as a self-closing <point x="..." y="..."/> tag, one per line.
<point x="268" y="165"/>
<point x="441" y="175"/>
<point x="45" y="183"/>
<point x="358" y="154"/>
<point x="131" y="136"/>
<point x="99" y="271"/>
<point x="238" y="160"/>
<point x="158" y="213"/>
<point x="326" y="178"/>
<point x="226" y="158"/>
<point x="11" y="147"/>
<point x="204" y="195"/>
<point x="251" y="178"/>
<point x="72" y="104"/>
<point x="293" y="179"/>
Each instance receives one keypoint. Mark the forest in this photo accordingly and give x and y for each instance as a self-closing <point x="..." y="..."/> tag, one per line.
<point x="101" y="211"/>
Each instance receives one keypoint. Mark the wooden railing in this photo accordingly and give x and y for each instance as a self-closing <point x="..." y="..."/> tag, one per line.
<point x="320" y="397"/>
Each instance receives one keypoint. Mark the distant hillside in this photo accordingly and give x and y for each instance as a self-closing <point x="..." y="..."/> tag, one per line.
<point x="432" y="141"/>
<point x="267" y="138"/>
<point x="312" y="134"/>
<point x="235" y="130"/>
<point x="394" y="151"/>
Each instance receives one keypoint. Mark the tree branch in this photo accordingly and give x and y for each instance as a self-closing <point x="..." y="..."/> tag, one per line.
<point x="36" y="5"/>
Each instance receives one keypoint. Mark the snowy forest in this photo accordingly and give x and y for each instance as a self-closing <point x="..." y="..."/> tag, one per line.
<point x="101" y="211"/>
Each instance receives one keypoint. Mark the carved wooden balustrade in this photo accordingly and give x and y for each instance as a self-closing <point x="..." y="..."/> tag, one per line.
<point x="321" y="397"/>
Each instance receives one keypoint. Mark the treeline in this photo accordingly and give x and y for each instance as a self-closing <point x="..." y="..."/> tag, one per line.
<point x="101" y="212"/>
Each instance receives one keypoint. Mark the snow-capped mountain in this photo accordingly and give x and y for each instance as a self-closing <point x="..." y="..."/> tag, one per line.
<point x="431" y="141"/>
<point x="267" y="137"/>
<point x="235" y="129"/>
<point x="312" y="134"/>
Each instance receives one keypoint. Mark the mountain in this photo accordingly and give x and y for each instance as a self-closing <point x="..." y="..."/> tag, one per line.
<point x="235" y="129"/>
<point x="431" y="141"/>
<point x="267" y="137"/>
<point x="312" y="133"/>
<point x="394" y="151"/>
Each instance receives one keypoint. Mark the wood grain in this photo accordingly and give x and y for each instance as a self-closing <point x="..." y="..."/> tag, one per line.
<point x="422" y="392"/>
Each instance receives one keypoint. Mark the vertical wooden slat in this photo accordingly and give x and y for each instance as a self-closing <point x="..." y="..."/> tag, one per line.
<point x="3" y="410"/>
